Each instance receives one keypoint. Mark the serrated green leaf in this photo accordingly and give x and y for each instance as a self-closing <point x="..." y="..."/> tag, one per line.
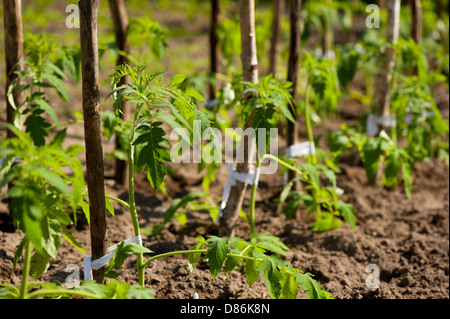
<point x="37" y="126"/>
<point x="272" y="275"/>
<point x="58" y="85"/>
<point x="39" y="264"/>
<point x="372" y="153"/>
<point x="313" y="174"/>
<point x="43" y="104"/>
<point x="217" y="251"/>
<point x="313" y="289"/>
<point x="325" y="221"/>
<point x="153" y="155"/>
<point x="190" y="91"/>
<point x="251" y="273"/>
<point x="92" y="287"/>
<point x="271" y="243"/>
<point x="138" y="292"/>
<point x="407" y="178"/>
<point x="347" y="211"/>
<point x="177" y="79"/>
<point x="289" y="286"/>
<point x="193" y="258"/>
<point x="123" y="251"/>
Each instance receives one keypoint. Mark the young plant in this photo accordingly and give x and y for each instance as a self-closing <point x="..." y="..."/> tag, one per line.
<point x="148" y="149"/>
<point x="40" y="198"/>
<point x="323" y="201"/>
<point x="45" y="66"/>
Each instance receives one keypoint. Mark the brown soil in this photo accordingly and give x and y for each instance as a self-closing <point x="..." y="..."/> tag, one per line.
<point x="407" y="239"/>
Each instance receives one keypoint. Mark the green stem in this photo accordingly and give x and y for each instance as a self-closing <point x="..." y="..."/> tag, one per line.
<point x="193" y="251"/>
<point x="253" y="199"/>
<point x="112" y="198"/>
<point x="26" y="269"/>
<point x="293" y="168"/>
<point x="308" y="121"/>
<point x="56" y="292"/>
<point x="132" y="204"/>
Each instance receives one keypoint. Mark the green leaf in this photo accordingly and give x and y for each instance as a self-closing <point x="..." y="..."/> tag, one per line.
<point x="37" y="126"/>
<point x="393" y="164"/>
<point x="291" y="208"/>
<point x="58" y="85"/>
<point x="289" y="286"/>
<point x="313" y="174"/>
<point x="271" y="243"/>
<point x="313" y="289"/>
<point x="177" y="79"/>
<point x="138" y="292"/>
<point x="92" y="287"/>
<point x="53" y="179"/>
<point x="153" y="155"/>
<point x="190" y="91"/>
<point x="347" y="211"/>
<point x="39" y="264"/>
<point x="123" y="251"/>
<point x="73" y="241"/>
<point x="43" y="104"/>
<point x="251" y="273"/>
<point x="272" y="275"/>
<point x="217" y="251"/>
<point x="371" y="153"/>
<point x="325" y="221"/>
<point x="109" y="206"/>
<point x="193" y="258"/>
<point x="18" y="252"/>
<point x="407" y="178"/>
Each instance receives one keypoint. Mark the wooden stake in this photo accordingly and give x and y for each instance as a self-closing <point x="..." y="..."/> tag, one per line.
<point x="416" y="23"/>
<point x="120" y="19"/>
<point x="92" y="130"/>
<point x="383" y="89"/>
<point x="250" y="73"/>
<point x="215" y="50"/>
<point x="292" y="76"/>
<point x="275" y="43"/>
<point x="12" y="18"/>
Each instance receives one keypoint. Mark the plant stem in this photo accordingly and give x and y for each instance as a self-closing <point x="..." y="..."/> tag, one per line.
<point x="308" y="121"/>
<point x="293" y="168"/>
<point x="253" y="198"/>
<point x="187" y="252"/>
<point x="132" y="204"/>
<point x="114" y="199"/>
<point x="57" y="292"/>
<point x="26" y="269"/>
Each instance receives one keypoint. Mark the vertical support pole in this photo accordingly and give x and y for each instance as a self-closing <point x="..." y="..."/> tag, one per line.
<point x="92" y="130"/>
<point x="292" y="76"/>
<point x="12" y="18"/>
<point x="215" y="50"/>
<point x="250" y="73"/>
<point x="275" y="43"/>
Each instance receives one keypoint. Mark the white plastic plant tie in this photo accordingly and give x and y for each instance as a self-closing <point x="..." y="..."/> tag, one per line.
<point x="374" y="122"/>
<point x="252" y="177"/>
<point x="300" y="149"/>
<point x="103" y="261"/>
